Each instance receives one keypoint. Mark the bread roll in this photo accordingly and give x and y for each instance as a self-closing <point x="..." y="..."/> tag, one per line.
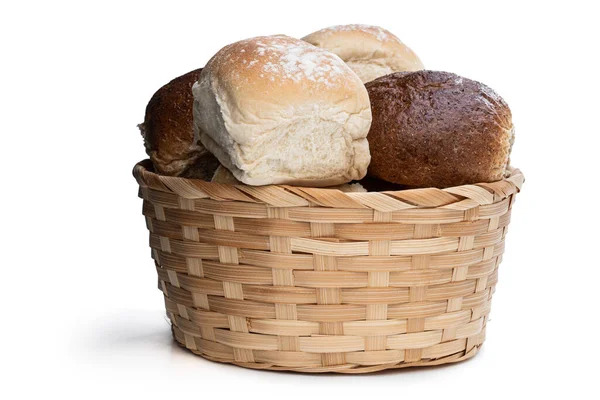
<point x="370" y="51"/>
<point x="223" y="175"/>
<point x="203" y="168"/>
<point x="437" y="129"/>
<point x="355" y="187"/>
<point x="168" y="128"/>
<point x="277" y="110"/>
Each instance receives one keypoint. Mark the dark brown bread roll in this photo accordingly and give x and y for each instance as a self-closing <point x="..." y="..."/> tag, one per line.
<point x="437" y="129"/>
<point x="168" y="131"/>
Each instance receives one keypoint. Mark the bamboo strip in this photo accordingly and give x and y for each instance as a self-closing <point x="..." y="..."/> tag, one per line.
<point x="317" y="280"/>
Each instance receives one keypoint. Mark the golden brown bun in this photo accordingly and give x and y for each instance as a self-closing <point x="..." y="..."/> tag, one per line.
<point x="278" y="110"/>
<point x="370" y="51"/>
<point x="168" y="129"/>
<point x="437" y="129"/>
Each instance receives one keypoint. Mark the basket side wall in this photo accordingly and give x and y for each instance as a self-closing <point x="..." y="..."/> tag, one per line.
<point x="370" y="283"/>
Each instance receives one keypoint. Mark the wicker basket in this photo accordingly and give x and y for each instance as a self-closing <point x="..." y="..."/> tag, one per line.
<point x="316" y="280"/>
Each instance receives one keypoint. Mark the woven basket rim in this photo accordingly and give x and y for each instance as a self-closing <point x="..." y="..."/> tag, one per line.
<point x="294" y="196"/>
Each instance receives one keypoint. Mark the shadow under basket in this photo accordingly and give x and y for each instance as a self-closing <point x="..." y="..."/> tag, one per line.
<point x="316" y="280"/>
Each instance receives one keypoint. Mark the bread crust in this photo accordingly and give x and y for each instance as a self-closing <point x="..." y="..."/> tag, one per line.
<point x="437" y="129"/>
<point x="168" y="128"/>
<point x="370" y="51"/>
<point x="277" y="110"/>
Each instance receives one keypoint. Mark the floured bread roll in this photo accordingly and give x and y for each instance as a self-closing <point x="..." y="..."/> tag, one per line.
<point x="370" y="51"/>
<point x="223" y="175"/>
<point x="277" y="110"/>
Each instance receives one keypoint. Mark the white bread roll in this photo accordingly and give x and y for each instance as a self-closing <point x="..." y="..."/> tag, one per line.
<point x="277" y="110"/>
<point x="370" y="51"/>
<point x="223" y="175"/>
<point x="355" y="187"/>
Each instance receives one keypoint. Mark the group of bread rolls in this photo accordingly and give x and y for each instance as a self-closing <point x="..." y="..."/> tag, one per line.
<point x="340" y="104"/>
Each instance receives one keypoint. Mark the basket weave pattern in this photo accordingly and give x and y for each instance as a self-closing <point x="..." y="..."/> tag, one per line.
<point x="317" y="280"/>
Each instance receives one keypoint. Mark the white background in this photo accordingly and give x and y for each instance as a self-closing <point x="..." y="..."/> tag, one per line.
<point x="82" y="315"/>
